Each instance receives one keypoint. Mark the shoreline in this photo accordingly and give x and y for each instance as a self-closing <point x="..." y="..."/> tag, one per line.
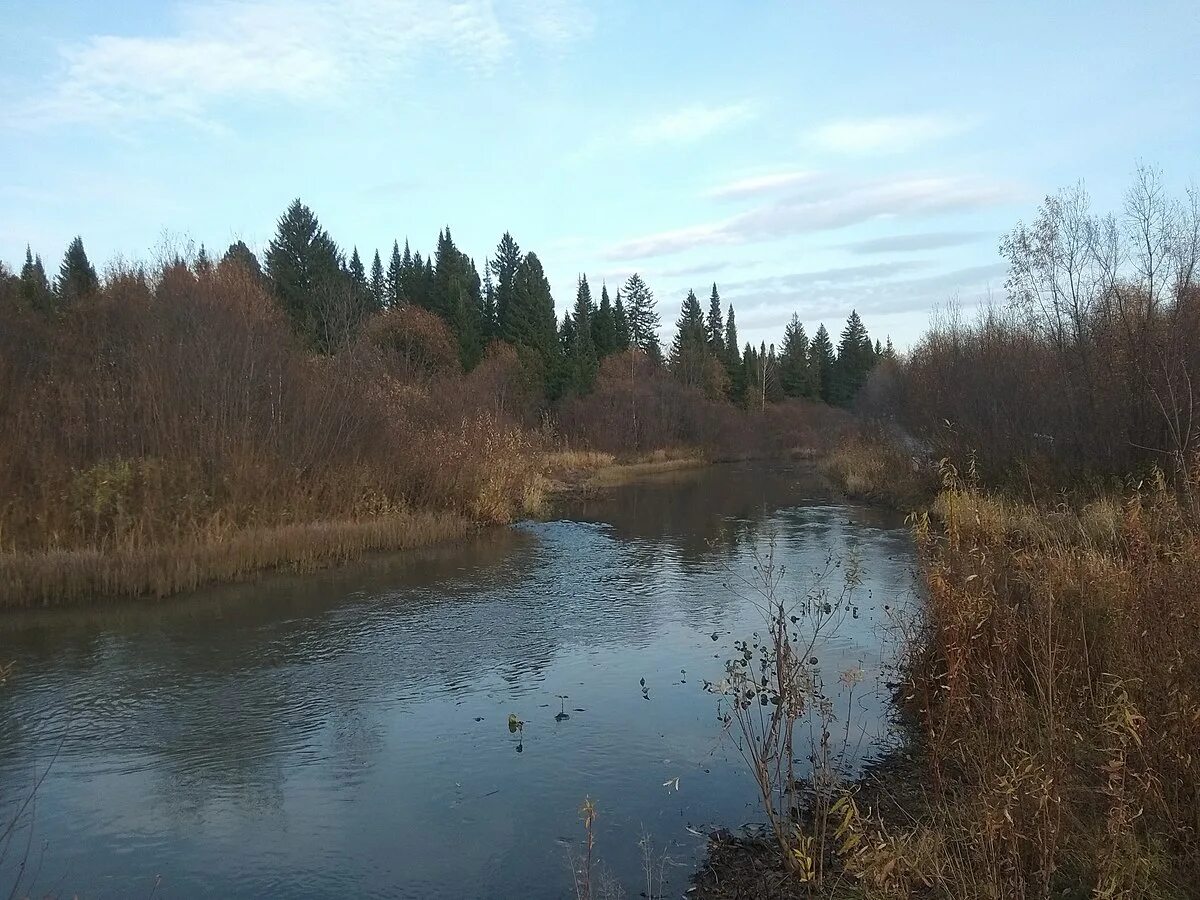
<point x="89" y="576"/>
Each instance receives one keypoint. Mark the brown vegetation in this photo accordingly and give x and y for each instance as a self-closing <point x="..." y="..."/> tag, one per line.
<point x="172" y="431"/>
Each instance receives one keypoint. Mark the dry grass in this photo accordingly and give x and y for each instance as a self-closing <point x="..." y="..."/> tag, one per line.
<point x="88" y="575"/>
<point x="868" y="466"/>
<point x="1057" y="687"/>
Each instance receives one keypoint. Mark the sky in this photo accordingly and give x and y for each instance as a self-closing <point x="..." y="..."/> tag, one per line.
<point x="807" y="157"/>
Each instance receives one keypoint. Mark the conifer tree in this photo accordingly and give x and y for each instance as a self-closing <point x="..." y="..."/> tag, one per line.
<point x="76" y="277"/>
<point x="820" y="364"/>
<point x="604" y="326"/>
<point x="620" y="324"/>
<point x="641" y="316"/>
<point x="396" y="295"/>
<point x="772" y="388"/>
<point x="203" y="263"/>
<point x="243" y="257"/>
<point x="889" y="352"/>
<point x="689" y="350"/>
<point x="793" y="361"/>
<point x="532" y="322"/>
<point x="751" y="386"/>
<point x="504" y="267"/>
<point x="304" y="266"/>
<point x="855" y="359"/>
<point x="491" y="325"/>
<point x="733" y="358"/>
<point x="581" y="350"/>
<point x="358" y="274"/>
<point x="378" y="285"/>
<point x="34" y="285"/>
<point x="715" y="327"/>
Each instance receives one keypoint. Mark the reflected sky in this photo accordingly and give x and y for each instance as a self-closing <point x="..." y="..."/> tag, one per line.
<point x="345" y="732"/>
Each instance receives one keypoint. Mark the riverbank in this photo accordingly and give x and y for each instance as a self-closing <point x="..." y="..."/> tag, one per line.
<point x="1049" y="685"/>
<point x="83" y="575"/>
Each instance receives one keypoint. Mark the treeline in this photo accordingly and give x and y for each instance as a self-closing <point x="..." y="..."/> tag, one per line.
<point x="212" y="416"/>
<point x="329" y="298"/>
<point x="1093" y="366"/>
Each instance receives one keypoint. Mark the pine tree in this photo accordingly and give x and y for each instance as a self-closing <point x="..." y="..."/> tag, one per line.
<point x="242" y="257"/>
<point x="76" y="277"/>
<point x="581" y="350"/>
<point x="714" y="326"/>
<point x="378" y="284"/>
<point x="889" y="352"/>
<point x="304" y="266"/>
<point x="793" y="361"/>
<point x="394" y="281"/>
<point x="604" y="326"/>
<point x="820" y="364"/>
<point x="641" y="316"/>
<point x="689" y="350"/>
<point x="620" y="324"/>
<point x="358" y="274"/>
<point x="504" y="266"/>
<point x="34" y="285"/>
<point x="203" y="263"/>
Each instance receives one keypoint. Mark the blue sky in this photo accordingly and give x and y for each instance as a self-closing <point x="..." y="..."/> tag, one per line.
<point x="808" y="157"/>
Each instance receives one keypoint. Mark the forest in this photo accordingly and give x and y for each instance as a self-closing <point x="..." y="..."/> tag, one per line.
<point x="205" y="418"/>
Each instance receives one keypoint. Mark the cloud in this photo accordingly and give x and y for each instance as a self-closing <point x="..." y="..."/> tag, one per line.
<point x="691" y="123"/>
<point x="761" y="184"/>
<point x="822" y="207"/>
<point x="885" y="134"/>
<point x="229" y="51"/>
<point x="902" y="243"/>
<point x="827" y="296"/>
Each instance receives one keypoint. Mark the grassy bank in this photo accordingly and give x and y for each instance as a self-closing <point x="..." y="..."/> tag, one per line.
<point x="75" y="576"/>
<point x="1051" y="688"/>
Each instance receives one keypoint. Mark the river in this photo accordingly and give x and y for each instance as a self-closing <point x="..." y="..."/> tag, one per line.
<point x="346" y="733"/>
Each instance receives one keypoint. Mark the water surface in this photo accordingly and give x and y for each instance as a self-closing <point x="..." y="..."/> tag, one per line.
<point x="346" y="733"/>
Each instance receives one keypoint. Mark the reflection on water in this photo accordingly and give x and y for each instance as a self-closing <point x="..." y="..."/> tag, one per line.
<point x="346" y="732"/>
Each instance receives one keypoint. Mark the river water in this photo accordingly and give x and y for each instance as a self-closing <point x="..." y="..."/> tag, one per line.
<point x="346" y="733"/>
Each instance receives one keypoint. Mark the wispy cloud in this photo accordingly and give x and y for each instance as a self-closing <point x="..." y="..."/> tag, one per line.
<point x="905" y="243"/>
<point x="884" y="134"/>
<point x="829" y="295"/>
<point x="229" y="51"/>
<point x="692" y="123"/>
<point x="822" y="207"/>
<point x="757" y="185"/>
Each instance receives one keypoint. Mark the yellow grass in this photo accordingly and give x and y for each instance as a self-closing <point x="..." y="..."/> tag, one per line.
<point x="86" y="575"/>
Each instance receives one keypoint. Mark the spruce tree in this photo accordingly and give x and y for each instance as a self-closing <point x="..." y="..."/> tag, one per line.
<point x="242" y="257"/>
<point x="772" y="386"/>
<point x="793" y="361"/>
<point x="714" y="326"/>
<point x="34" y="285"/>
<point x="76" y="277"/>
<point x="304" y="266"/>
<point x="203" y="263"/>
<point x="581" y="359"/>
<point x="620" y="324"/>
<point x="751" y="382"/>
<point x="378" y="284"/>
<point x="490" y="321"/>
<point x="504" y="267"/>
<point x="532" y="323"/>
<point x="641" y="316"/>
<point x="820" y="364"/>
<point x="604" y="326"/>
<point x="395" y="287"/>
<point x="855" y="359"/>
<point x="733" y="358"/>
<point x="889" y="352"/>
<point x="689" y="349"/>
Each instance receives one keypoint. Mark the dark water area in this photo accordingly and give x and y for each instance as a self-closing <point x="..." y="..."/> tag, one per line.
<point x="345" y="733"/>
